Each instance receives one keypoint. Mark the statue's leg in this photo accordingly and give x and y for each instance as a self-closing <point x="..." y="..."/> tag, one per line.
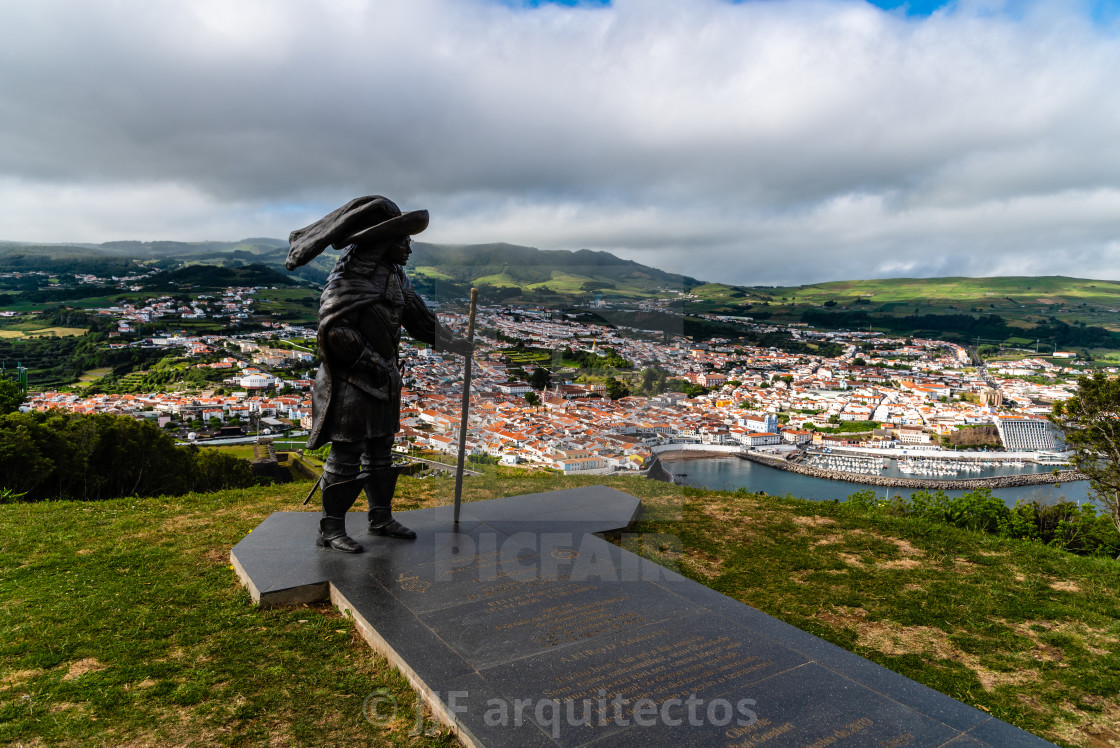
<point x="382" y="483"/>
<point x="342" y="482"/>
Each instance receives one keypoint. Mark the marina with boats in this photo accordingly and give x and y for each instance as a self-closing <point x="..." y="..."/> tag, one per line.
<point x="922" y="471"/>
<point x="935" y="467"/>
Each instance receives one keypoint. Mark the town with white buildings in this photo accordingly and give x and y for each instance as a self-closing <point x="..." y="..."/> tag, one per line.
<point x="915" y="390"/>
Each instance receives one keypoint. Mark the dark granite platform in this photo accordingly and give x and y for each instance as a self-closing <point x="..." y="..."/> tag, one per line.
<point x="524" y="628"/>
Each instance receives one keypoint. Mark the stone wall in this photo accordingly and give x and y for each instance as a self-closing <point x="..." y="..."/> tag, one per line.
<point x="714" y="449"/>
<point x="657" y="471"/>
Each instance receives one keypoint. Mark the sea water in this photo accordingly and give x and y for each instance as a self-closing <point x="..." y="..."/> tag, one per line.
<point x="732" y="473"/>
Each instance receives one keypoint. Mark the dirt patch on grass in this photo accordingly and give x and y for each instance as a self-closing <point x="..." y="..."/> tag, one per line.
<point x="963" y="566"/>
<point x="893" y="639"/>
<point x="81" y="667"/>
<point x="725" y="514"/>
<point x="842" y="617"/>
<point x="1093" y="729"/>
<point x="855" y="534"/>
<point x="905" y="547"/>
<point x="187" y="522"/>
<point x="735" y="524"/>
<point x="900" y="563"/>
<point x="217" y="555"/>
<point x="1065" y="585"/>
<point x="813" y="520"/>
<point x="182" y="728"/>
<point x="911" y="555"/>
<point x="705" y="564"/>
<point x="18" y="677"/>
<point x="1094" y="640"/>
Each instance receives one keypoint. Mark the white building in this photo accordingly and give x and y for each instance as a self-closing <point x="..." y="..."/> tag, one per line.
<point x="1024" y="434"/>
<point x="759" y="439"/>
<point x="256" y="381"/>
<point x="577" y="464"/>
<point x="766" y="422"/>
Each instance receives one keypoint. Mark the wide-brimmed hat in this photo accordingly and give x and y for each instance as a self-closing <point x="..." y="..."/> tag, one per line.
<point x="364" y="220"/>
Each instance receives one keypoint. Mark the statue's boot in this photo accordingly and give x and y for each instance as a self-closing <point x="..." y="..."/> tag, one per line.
<point x="337" y="500"/>
<point x="379" y="489"/>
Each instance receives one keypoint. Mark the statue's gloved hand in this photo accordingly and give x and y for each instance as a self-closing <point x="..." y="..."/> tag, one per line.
<point x="445" y="341"/>
<point x="459" y="345"/>
<point x="380" y="371"/>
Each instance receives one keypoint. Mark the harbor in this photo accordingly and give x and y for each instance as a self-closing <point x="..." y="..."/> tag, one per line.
<point x="922" y="471"/>
<point x="817" y="478"/>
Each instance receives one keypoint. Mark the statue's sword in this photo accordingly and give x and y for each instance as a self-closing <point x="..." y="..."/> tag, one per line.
<point x="312" y="491"/>
<point x="465" y="408"/>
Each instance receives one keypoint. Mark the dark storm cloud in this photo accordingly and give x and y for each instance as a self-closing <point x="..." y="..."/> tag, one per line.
<point x="778" y="141"/>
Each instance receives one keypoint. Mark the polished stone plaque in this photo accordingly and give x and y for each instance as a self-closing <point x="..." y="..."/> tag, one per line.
<point x="521" y="626"/>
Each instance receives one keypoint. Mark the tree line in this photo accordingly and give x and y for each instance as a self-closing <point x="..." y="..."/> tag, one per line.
<point x="61" y="455"/>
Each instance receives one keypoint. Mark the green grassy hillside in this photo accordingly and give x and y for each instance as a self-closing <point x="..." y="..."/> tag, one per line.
<point x="499" y="269"/>
<point x="1016" y="310"/>
<point x="124" y="623"/>
<point x="1026" y="298"/>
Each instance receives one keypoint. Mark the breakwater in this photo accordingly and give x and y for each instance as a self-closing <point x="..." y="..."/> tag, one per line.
<point x="657" y="471"/>
<point x="1000" y="481"/>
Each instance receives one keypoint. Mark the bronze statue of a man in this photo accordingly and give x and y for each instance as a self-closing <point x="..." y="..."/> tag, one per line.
<point x="355" y="403"/>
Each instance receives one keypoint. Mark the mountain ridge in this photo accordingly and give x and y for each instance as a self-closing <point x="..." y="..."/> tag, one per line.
<point x="506" y="271"/>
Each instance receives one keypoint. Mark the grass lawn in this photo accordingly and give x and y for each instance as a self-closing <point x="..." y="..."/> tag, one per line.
<point x="244" y="451"/>
<point x="125" y="625"/>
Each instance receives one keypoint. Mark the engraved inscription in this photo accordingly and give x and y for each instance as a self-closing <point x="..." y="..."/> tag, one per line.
<point x="668" y="667"/>
<point x="568" y="621"/>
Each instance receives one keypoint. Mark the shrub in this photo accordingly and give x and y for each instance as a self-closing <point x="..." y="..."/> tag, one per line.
<point x="977" y="510"/>
<point x="1077" y="528"/>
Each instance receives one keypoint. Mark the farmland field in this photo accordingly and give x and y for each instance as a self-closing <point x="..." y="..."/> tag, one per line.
<point x="55" y="332"/>
<point x="92" y="375"/>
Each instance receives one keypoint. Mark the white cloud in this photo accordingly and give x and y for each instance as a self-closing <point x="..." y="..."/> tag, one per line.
<point x="794" y="140"/>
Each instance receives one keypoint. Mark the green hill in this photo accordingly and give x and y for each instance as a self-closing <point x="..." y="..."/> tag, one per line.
<point x="1054" y="310"/>
<point x="212" y="277"/>
<point x="501" y="270"/>
<point x="1091" y="301"/>
<point x="507" y="270"/>
<point x="124" y="624"/>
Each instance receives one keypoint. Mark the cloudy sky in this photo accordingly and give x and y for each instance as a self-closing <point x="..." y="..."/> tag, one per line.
<point x="758" y="142"/>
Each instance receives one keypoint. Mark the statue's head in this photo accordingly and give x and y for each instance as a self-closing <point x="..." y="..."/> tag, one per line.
<point x="374" y="224"/>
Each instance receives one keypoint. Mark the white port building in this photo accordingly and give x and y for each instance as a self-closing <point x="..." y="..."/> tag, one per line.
<point x="1025" y="434"/>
